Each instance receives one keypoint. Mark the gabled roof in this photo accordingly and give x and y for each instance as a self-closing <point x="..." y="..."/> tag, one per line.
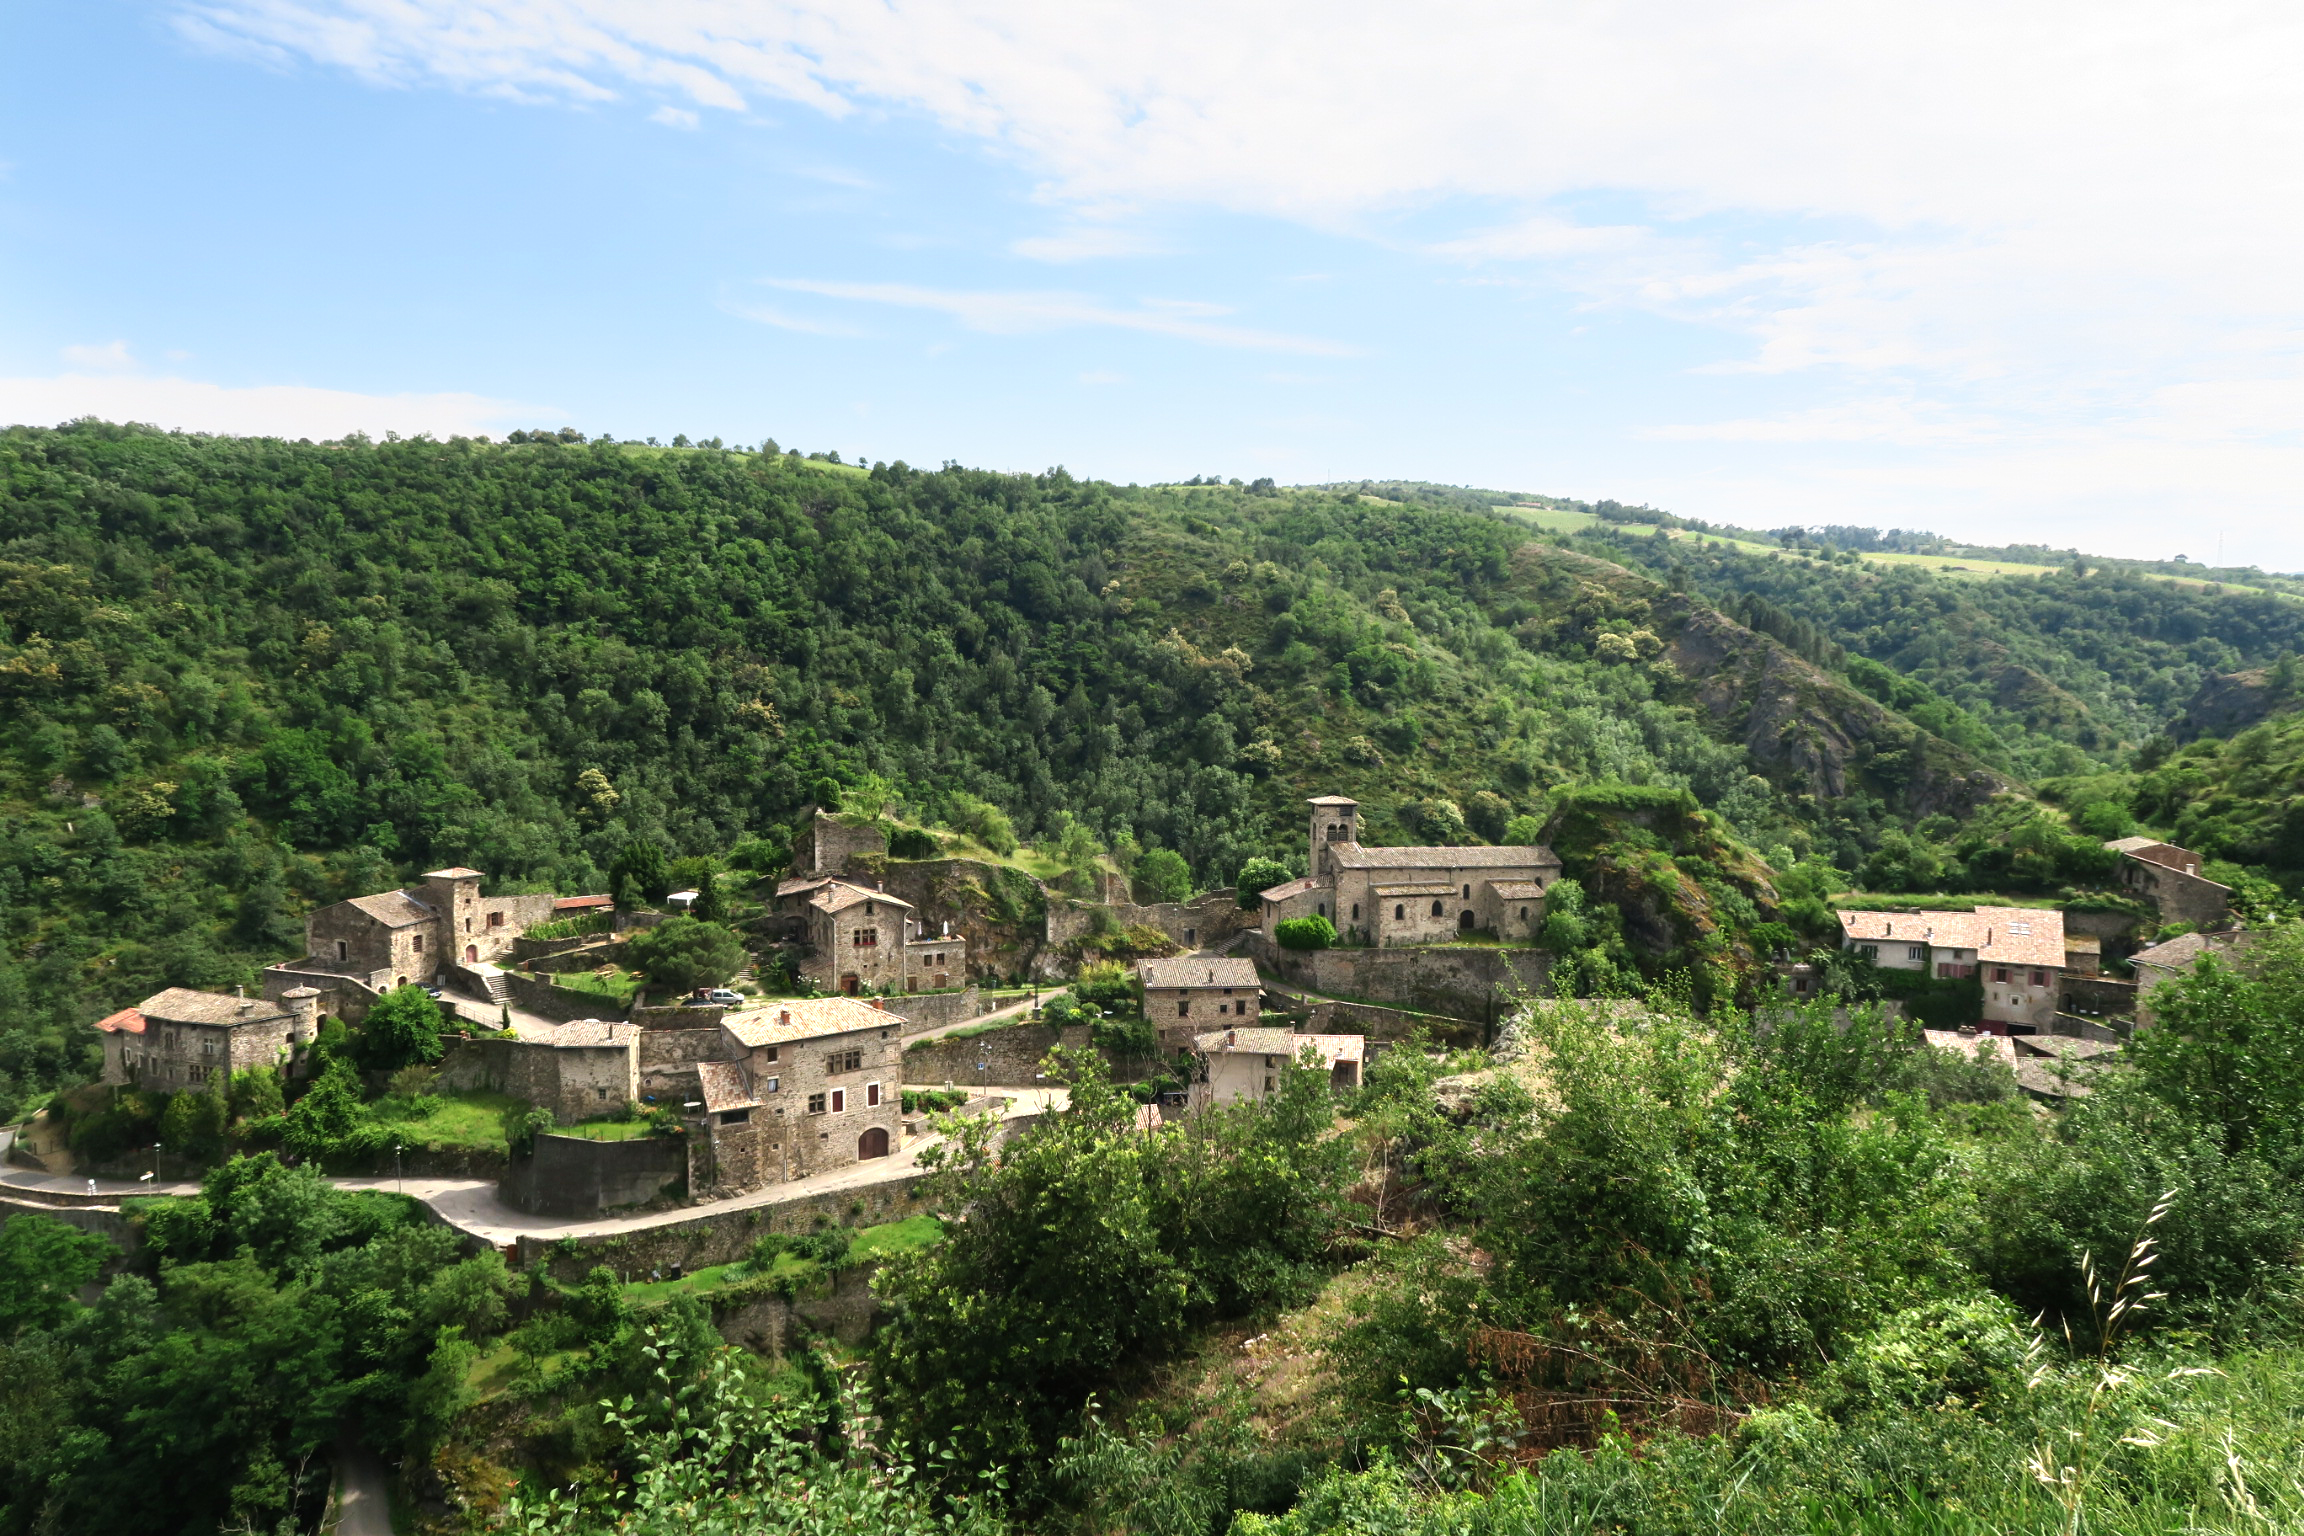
<point x="806" y="1018"/>
<point x="394" y="909"/>
<point x="2134" y="844"/>
<point x="1359" y="856"/>
<point x="581" y="903"/>
<point x="126" y="1021"/>
<point x="458" y="872"/>
<point x="1517" y="890"/>
<point x="725" y="1087"/>
<point x="1186" y="971"/>
<point x="592" y="1032"/>
<point x="1280" y="1042"/>
<point x="1332" y="800"/>
<point x="2185" y="949"/>
<point x="793" y="885"/>
<point x="182" y="1005"/>
<point x="839" y="896"/>
<point x="1999" y="935"/>
<point x="1293" y="888"/>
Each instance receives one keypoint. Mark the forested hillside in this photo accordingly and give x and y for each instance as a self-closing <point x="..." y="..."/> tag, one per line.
<point x="247" y="676"/>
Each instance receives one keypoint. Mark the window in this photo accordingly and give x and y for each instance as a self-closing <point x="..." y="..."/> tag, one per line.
<point x="417" y="944"/>
<point x="467" y="925"/>
<point x="770" y="1085"/>
<point x="1916" y="952"/>
<point x="735" y="1116"/>
<point x="1436" y="909"/>
<point x="1869" y="951"/>
<point x="495" y="919"/>
<point x="1467" y="893"/>
<point x="839" y="1101"/>
<point x="771" y="1054"/>
<point x="1323" y="909"/>
<point x="867" y="938"/>
<point x="343" y="950"/>
<point x="1355" y="911"/>
<point x="2039" y="978"/>
<point x="1523" y="914"/>
<point x="1267" y="1085"/>
<point x="1183" y="1007"/>
<point x="601" y="1093"/>
<point x="815" y="1103"/>
<point x="1399" y="911"/>
<point x="844" y="1061"/>
<point x="1999" y="973"/>
<point x="871" y="1095"/>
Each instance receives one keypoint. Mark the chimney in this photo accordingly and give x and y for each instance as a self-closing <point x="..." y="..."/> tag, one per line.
<point x="878" y="1004"/>
<point x="239" y="991"/>
<point x="783" y="1016"/>
<point x="1231" y="1037"/>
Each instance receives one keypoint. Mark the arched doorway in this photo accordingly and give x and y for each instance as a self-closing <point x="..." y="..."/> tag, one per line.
<point x="472" y="952"/>
<point x="1464" y="923"/>
<point x="873" y="1143"/>
<point x="849" y="984"/>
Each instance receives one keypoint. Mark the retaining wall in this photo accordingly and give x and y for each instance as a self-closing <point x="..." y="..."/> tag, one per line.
<point x="679" y="1016"/>
<point x="1011" y="1053"/>
<point x="559" y="1004"/>
<point x="1378" y="1023"/>
<point x="935" y="1010"/>
<point x="573" y="1176"/>
<point x="1459" y="982"/>
<point x="575" y="1082"/>
<point x="764" y="1323"/>
<point x="717" y="1237"/>
<point x="1208" y="921"/>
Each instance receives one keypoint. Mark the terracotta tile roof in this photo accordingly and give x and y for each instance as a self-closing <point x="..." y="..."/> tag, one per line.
<point x="725" y="1087"/>
<point x="805" y="1018"/>
<point x="581" y="903"/>
<point x="394" y="909"/>
<point x="792" y="885"/>
<point x="839" y="896"/>
<point x="2133" y="844"/>
<point x="1357" y="856"/>
<point x="1294" y="888"/>
<point x="1999" y="935"/>
<point x="182" y="1005"/>
<point x="1280" y="1042"/>
<point x="1185" y="971"/>
<point x="1979" y="1045"/>
<point x="458" y="872"/>
<point x="127" y="1020"/>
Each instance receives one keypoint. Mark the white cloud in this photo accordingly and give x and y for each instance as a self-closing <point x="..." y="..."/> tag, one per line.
<point x="676" y="117"/>
<point x="1085" y="242"/>
<point x="112" y="355"/>
<point x="1013" y="314"/>
<point x="276" y="410"/>
<point x="767" y="314"/>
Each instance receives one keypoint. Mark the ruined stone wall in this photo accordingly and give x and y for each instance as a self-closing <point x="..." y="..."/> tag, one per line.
<point x="577" y="1082"/>
<point x="998" y="912"/>
<point x="562" y="1005"/>
<point x="831" y="842"/>
<point x="680" y="1016"/>
<point x="668" y="1060"/>
<point x="935" y="1010"/>
<point x="761" y="1321"/>
<point x="1470" y="982"/>
<point x="1374" y="1021"/>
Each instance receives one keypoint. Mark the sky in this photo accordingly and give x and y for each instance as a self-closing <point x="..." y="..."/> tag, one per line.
<point x="2007" y="273"/>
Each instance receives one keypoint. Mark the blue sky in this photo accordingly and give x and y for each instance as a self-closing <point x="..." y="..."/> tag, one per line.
<point x="2026" y="278"/>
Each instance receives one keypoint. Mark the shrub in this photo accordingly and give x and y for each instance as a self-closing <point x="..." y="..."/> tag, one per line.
<point x="1313" y="932"/>
<point x="1162" y="875"/>
<point x="403" y="1029"/>
<point x="912" y="843"/>
<point x="681" y="954"/>
<point x="1259" y="875"/>
<point x="985" y="822"/>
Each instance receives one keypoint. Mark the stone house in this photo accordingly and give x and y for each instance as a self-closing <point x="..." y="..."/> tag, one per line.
<point x="370" y="944"/>
<point x="1402" y="897"/>
<point x="176" y="1039"/>
<point x="1184" y="996"/>
<point x="2017" y="953"/>
<point x="2177" y="957"/>
<point x="1234" y="1064"/>
<point x="824" y="849"/>
<point x="814" y="1084"/>
<point x="859" y="937"/>
<point x="2169" y="877"/>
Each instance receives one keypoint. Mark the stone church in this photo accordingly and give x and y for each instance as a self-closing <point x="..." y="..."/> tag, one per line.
<point x="1391" y="898"/>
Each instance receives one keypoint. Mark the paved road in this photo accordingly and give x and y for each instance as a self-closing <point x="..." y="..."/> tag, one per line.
<point x="471" y="1206"/>
<point x="363" y="1497"/>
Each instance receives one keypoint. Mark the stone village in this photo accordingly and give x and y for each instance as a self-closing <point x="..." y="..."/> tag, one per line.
<point x="780" y="1090"/>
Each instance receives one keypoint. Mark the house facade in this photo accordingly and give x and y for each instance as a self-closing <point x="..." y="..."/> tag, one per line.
<point x="1190" y="994"/>
<point x="2016" y="953"/>
<point x="2169" y="877"/>
<point x="177" y="1039"/>
<point x="804" y="1086"/>
<point x="1401" y="897"/>
<point x="860" y="938"/>
<point x="1229" y="1065"/>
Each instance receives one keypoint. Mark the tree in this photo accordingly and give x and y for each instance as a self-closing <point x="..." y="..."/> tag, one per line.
<point x="42" y="1263"/>
<point x="827" y="794"/>
<point x="402" y="1029"/>
<point x="1162" y="875"/>
<point x="710" y="907"/>
<point x="681" y="954"/>
<point x="985" y="822"/>
<point x="1259" y="875"/>
<point x="640" y="876"/>
<point x="1314" y="932"/>
<point x="1522" y="832"/>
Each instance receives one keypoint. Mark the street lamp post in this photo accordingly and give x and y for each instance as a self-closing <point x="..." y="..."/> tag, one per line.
<point x="399" y="1186"/>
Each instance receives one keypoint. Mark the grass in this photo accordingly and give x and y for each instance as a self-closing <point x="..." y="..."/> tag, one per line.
<point x="1935" y="901"/>
<point x="871" y="1243"/>
<point x="618" y="986"/>
<point x="605" y="1130"/>
<point x="894" y="1237"/>
<point x="474" y="1119"/>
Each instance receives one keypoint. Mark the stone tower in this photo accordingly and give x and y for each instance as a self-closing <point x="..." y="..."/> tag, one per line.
<point x="1335" y="819"/>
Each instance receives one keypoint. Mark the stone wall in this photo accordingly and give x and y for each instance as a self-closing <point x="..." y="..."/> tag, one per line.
<point x="999" y="912"/>
<point x="762" y="1321"/>
<point x="1208" y="921"/>
<point x="668" y="1060"/>
<point x="587" y="956"/>
<point x="935" y="1010"/>
<point x="2100" y="925"/>
<point x="831" y="842"/>
<point x="1327" y="1017"/>
<point x="1011" y="1054"/>
<point x="562" y="1005"/>
<point x="1468" y="982"/>
<point x="2097" y="994"/>
<point x="575" y="1082"/>
<point x="680" y="1016"/>
<point x="574" y="1176"/>
<point x="717" y="1237"/>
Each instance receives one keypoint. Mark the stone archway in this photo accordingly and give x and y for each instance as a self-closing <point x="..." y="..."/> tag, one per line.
<point x="1464" y="923"/>
<point x="873" y="1143"/>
